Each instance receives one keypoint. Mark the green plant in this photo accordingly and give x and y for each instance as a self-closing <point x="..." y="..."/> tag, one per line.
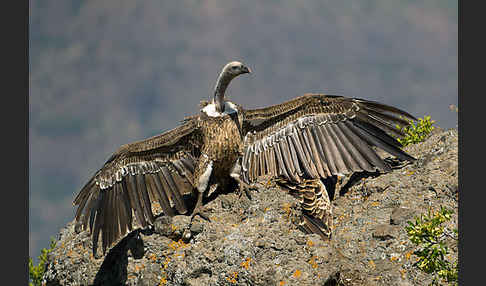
<point x="37" y="271"/>
<point x="416" y="132"/>
<point x="428" y="233"/>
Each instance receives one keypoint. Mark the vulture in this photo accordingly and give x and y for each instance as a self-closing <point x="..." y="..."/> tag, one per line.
<point x="303" y="144"/>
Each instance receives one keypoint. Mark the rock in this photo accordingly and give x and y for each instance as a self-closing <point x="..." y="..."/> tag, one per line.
<point x="162" y="225"/>
<point x="197" y="227"/>
<point x="400" y="216"/>
<point x="257" y="242"/>
<point x="180" y="223"/>
<point x="173" y="227"/>
<point x="384" y="232"/>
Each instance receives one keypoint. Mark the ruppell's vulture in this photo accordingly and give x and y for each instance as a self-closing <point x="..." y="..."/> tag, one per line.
<point x="303" y="144"/>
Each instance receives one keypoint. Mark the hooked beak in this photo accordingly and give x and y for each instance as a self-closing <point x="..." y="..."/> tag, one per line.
<point x="246" y="69"/>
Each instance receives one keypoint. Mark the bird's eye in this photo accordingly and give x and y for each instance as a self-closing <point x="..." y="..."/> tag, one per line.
<point x="235" y="68"/>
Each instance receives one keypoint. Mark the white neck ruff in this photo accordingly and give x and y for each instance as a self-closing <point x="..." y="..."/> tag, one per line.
<point x="210" y="109"/>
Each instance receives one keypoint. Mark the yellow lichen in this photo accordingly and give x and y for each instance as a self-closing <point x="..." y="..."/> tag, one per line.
<point x="232" y="278"/>
<point x="138" y="268"/>
<point x="182" y="244"/>
<point x="166" y="262"/>
<point x="173" y="245"/>
<point x="372" y="264"/>
<point x="163" y="281"/>
<point x="246" y="263"/>
<point x="297" y="273"/>
<point x="286" y="208"/>
<point x="312" y="262"/>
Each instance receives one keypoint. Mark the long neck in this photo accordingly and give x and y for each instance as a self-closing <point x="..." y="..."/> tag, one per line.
<point x="222" y="83"/>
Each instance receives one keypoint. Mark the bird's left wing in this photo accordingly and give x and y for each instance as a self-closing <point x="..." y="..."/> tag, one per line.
<point x="314" y="137"/>
<point x="317" y="135"/>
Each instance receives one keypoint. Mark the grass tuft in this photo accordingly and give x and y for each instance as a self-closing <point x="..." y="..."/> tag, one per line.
<point x="428" y="233"/>
<point x="36" y="272"/>
<point x="416" y="132"/>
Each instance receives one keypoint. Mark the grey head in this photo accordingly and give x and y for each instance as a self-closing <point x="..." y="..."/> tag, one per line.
<point x="229" y="72"/>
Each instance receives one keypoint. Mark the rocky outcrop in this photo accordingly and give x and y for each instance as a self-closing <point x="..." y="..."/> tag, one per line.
<point x="256" y="242"/>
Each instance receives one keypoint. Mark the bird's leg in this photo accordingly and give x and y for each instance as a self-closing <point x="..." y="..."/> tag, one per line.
<point x="202" y="185"/>
<point x="242" y="186"/>
<point x="198" y="209"/>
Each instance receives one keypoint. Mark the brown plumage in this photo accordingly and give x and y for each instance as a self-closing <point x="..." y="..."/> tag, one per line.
<point x="303" y="144"/>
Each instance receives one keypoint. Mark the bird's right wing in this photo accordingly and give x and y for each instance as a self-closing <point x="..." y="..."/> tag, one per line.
<point x="155" y="170"/>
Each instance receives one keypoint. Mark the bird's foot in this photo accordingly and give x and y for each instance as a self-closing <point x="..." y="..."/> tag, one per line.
<point x="200" y="211"/>
<point x="246" y="188"/>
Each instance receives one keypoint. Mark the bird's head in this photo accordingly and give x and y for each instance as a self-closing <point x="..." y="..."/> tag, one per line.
<point x="235" y="69"/>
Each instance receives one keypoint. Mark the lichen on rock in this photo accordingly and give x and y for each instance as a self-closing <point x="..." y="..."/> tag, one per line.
<point x="256" y="241"/>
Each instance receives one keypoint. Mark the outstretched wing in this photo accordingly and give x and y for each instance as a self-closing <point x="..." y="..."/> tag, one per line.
<point x="159" y="169"/>
<point x="318" y="135"/>
<point x="315" y="137"/>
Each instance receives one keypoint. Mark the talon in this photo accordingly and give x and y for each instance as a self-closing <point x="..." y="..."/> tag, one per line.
<point x="245" y="190"/>
<point x="200" y="211"/>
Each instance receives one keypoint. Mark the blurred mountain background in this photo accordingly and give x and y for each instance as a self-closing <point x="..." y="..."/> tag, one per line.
<point x="105" y="73"/>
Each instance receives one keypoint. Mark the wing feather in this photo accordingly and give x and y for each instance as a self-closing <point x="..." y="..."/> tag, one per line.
<point x="97" y="224"/>
<point x="378" y="138"/>
<point x="380" y="107"/>
<point x="335" y="150"/>
<point x="286" y="156"/>
<point x="316" y="160"/>
<point x="135" y="200"/>
<point x="162" y="196"/>
<point x="306" y="148"/>
<point x="175" y="194"/>
<point x="378" y="122"/>
<point x="105" y="213"/>
<point x="364" y="149"/>
<point x="84" y="196"/>
<point x="128" y="203"/>
<point x="295" y="160"/>
<point x="300" y="152"/>
<point x="345" y="149"/>
<point x="144" y="197"/>
<point x="255" y="164"/>
<point x="261" y="163"/>
<point x="121" y="207"/>
<point x="324" y="140"/>
<point x="281" y="164"/>
<point x="324" y="159"/>
<point x="271" y="159"/>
